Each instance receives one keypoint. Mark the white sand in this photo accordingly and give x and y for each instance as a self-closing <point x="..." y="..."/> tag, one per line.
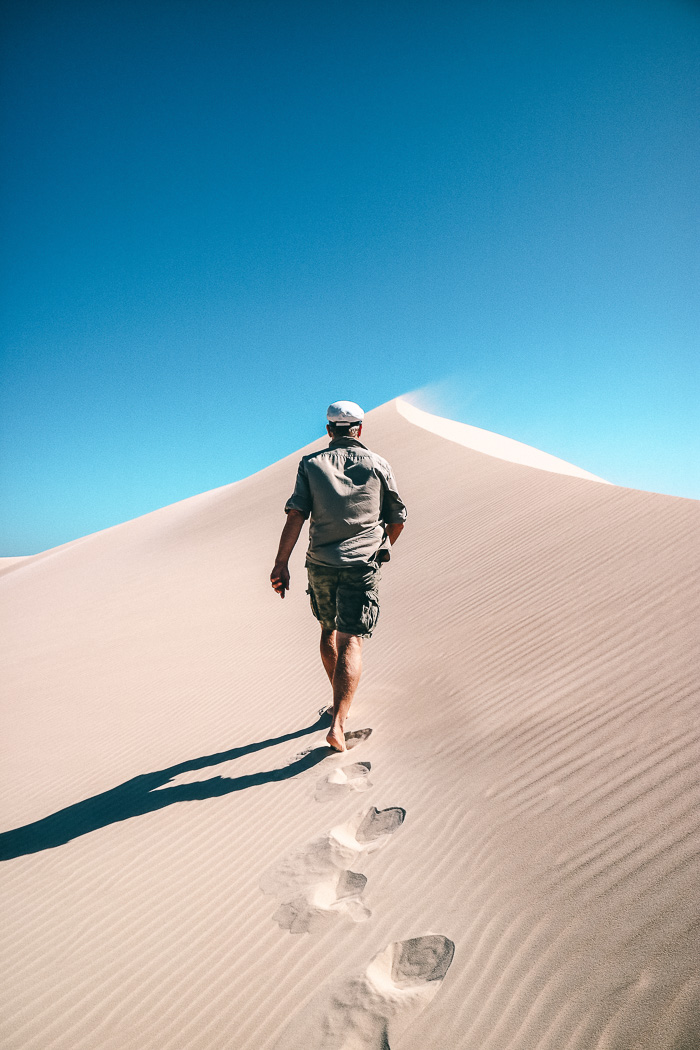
<point x="489" y="443"/>
<point x="528" y="793"/>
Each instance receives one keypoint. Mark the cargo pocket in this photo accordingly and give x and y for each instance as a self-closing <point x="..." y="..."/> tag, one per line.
<point x="314" y="606"/>
<point x="370" y="612"/>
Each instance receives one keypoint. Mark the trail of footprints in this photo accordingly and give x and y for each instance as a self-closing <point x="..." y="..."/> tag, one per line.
<point x="316" y="885"/>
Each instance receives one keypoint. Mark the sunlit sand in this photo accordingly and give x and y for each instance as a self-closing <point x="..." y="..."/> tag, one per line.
<point x="506" y="858"/>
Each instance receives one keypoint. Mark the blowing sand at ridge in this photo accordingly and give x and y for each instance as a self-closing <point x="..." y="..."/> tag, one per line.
<point x="505" y="859"/>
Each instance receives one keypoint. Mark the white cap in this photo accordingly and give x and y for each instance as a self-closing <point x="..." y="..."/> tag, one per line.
<point x="346" y="412"/>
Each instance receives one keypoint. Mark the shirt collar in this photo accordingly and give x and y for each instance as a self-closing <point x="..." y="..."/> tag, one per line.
<point x="344" y="442"/>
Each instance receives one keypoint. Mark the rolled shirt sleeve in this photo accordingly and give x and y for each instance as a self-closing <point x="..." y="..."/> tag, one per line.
<point x="393" y="507"/>
<point x="300" y="499"/>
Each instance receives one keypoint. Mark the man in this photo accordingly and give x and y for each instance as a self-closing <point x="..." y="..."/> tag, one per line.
<point x="356" y="516"/>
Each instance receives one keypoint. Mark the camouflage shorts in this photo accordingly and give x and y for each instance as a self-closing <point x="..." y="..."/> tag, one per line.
<point x="345" y="599"/>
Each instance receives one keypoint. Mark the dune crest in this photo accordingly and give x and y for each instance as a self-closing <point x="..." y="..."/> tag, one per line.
<point x="489" y="443"/>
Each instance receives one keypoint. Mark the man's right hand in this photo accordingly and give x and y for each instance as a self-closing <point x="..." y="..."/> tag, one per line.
<point x="279" y="578"/>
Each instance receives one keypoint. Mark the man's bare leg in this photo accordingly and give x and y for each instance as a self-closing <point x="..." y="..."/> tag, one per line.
<point x="346" y="678"/>
<point x="329" y="651"/>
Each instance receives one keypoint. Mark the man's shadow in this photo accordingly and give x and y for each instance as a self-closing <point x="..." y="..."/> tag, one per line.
<point x="139" y="795"/>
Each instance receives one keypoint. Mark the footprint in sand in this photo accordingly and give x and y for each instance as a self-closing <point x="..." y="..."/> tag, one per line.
<point x="343" y="781"/>
<point x="310" y="912"/>
<point x="352" y="740"/>
<point x="315" y="884"/>
<point x="369" y="1011"/>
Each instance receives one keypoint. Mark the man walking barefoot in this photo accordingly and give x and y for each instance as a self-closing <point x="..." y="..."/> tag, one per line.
<point x="356" y="516"/>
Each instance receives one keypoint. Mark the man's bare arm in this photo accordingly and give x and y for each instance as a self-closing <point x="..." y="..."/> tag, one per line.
<point x="393" y="532"/>
<point x="279" y="577"/>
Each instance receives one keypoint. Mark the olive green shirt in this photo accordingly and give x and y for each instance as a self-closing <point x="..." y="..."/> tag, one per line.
<point x="350" y="495"/>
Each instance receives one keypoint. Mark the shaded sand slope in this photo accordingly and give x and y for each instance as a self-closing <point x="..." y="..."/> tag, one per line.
<point x="529" y="791"/>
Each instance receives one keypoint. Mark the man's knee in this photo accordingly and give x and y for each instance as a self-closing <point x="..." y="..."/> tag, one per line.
<point x="348" y="641"/>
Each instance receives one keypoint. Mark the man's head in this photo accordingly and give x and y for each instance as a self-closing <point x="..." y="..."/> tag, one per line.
<point x="344" y="419"/>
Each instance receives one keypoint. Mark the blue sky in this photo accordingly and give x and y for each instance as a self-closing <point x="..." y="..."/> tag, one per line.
<point x="220" y="216"/>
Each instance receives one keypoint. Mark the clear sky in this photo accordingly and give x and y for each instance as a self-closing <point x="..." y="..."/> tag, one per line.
<point x="219" y="216"/>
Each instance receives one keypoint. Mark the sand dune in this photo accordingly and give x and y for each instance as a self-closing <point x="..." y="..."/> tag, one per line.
<point x="489" y="443"/>
<point x="507" y="857"/>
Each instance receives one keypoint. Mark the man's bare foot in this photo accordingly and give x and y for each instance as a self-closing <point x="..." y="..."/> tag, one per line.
<point x="336" y="739"/>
